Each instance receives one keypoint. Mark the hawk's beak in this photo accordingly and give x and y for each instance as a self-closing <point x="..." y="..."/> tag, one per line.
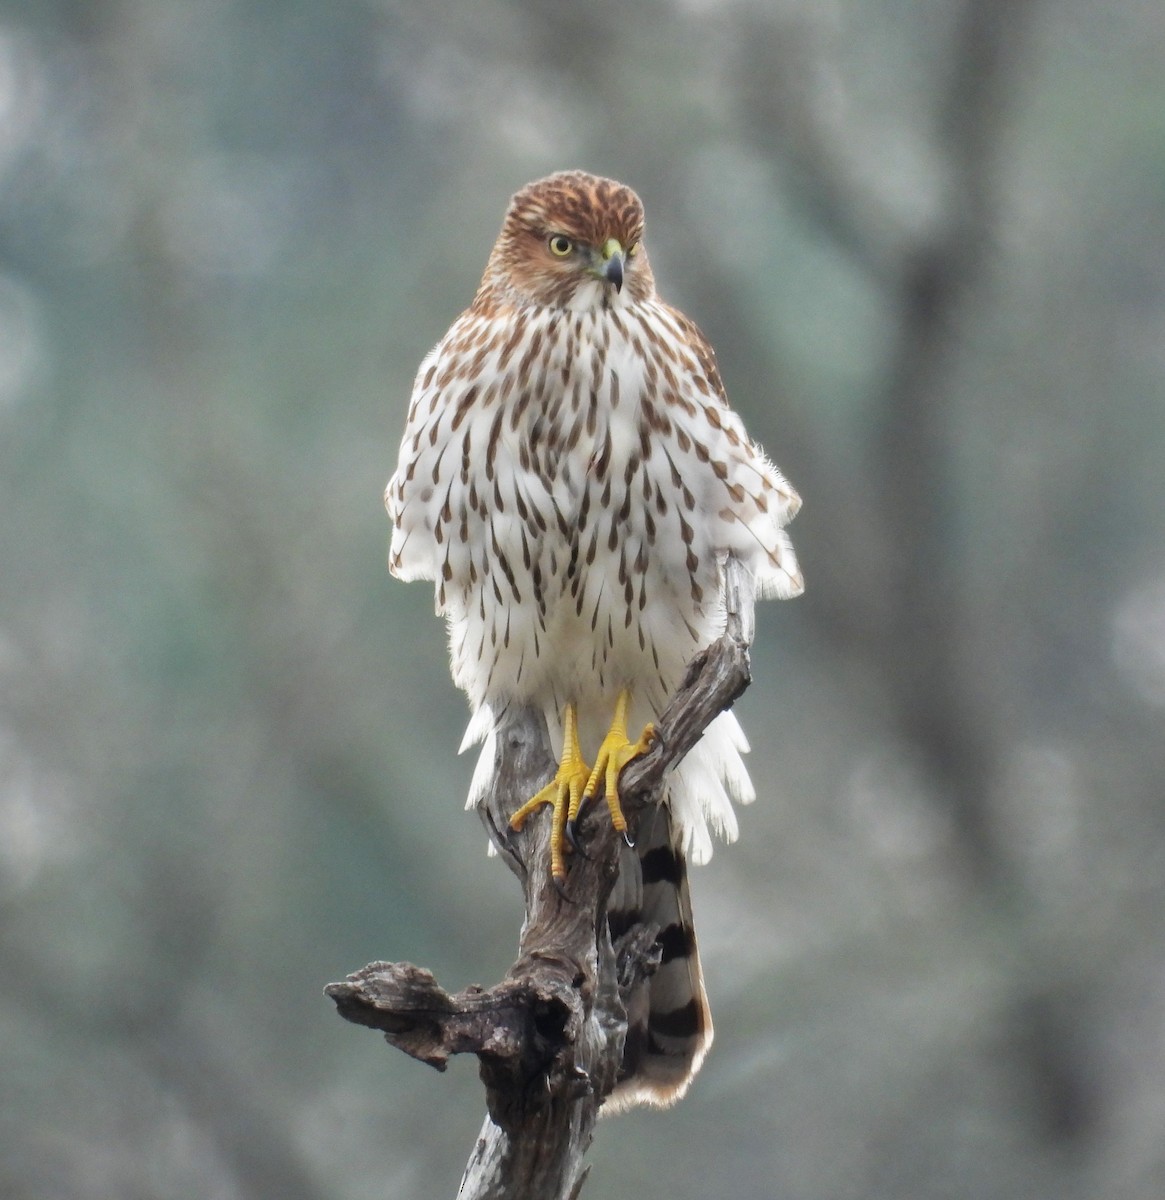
<point x="612" y="269"/>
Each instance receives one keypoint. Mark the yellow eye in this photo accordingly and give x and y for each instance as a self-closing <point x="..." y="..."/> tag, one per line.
<point x="560" y="246"/>
<point x="633" y="250"/>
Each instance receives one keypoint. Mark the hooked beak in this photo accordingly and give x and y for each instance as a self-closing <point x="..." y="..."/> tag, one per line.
<point x="612" y="268"/>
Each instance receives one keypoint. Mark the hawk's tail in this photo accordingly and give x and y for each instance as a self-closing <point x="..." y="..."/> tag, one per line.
<point x="668" y="1036"/>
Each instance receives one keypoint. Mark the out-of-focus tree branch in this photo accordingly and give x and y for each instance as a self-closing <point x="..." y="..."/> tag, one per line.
<point x="923" y="644"/>
<point x="924" y="652"/>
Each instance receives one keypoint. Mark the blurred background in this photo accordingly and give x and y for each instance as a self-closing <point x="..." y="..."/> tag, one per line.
<point x="927" y="238"/>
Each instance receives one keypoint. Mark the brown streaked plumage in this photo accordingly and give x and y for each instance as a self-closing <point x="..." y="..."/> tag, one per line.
<point x="571" y="478"/>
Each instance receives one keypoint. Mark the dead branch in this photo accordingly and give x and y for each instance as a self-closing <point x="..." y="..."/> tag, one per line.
<point x="549" y="1037"/>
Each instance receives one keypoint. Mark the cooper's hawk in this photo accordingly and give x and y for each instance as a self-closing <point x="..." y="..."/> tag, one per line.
<point x="572" y="480"/>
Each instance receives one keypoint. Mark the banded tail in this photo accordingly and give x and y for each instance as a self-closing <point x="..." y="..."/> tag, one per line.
<point x="667" y="1037"/>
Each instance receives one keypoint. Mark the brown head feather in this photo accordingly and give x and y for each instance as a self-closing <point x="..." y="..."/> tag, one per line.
<point x="588" y="210"/>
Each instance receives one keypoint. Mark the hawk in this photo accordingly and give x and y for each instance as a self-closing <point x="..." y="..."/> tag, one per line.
<point x="572" y="480"/>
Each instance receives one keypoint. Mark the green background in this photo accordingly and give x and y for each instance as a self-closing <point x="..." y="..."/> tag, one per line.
<point x="928" y="242"/>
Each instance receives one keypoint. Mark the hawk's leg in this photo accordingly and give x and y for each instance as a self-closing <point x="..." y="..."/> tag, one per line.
<point x="563" y="793"/>
<point x="614" y="754"/>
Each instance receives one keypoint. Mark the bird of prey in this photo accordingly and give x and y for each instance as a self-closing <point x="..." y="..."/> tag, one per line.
<point x="572" y="480"/>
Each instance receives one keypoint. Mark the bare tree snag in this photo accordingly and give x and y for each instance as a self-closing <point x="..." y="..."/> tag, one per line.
<point x="549" y="1037"/>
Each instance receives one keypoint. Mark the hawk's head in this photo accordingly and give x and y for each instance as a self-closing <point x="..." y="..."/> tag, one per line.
<point x="573" y="241"/>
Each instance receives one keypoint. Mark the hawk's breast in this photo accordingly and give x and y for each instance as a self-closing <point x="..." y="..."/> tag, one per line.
<point x="571" y="482"/>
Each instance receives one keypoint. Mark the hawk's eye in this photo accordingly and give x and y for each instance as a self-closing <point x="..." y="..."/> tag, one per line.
<point x="633" y="250"/>
<point x="560" y="246"/>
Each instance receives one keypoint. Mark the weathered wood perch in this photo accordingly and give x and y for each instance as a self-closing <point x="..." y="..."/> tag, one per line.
<point x="549" y="1037"/>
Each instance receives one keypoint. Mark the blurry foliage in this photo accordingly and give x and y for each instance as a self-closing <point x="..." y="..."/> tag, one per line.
<point x="229" y="231"/>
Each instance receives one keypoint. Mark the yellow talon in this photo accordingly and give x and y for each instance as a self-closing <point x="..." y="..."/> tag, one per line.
<point x="563" y="793"/>
<point x="574" y="784"/>
<point x="614" y="754"/>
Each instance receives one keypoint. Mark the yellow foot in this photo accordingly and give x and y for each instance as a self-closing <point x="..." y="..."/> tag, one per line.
<point x="614" y="754"/>
<point x="563" y="793"/>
